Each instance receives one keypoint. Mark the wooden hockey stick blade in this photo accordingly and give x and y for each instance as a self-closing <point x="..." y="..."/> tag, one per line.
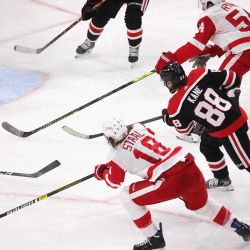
<point x="11" y="129"/>
<point x="87" y="137"/>
<point x="23" y="49"/>
<point x="80" y="135"/>
<point x="42" y="171"/>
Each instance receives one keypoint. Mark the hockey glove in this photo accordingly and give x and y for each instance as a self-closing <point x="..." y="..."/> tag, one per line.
<point x="89" y="9"/>
<point x="234" y="95"/>
<point x="99" y="170"/>
<point x="165" y="59"/>
<point x="165" y="117"/>
<point x="200" y="61"/>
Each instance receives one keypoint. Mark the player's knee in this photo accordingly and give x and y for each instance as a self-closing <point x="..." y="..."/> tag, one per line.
<point x="100" y="20"/>
<point x="125" y="197"/>
<point x="133" y="17"/>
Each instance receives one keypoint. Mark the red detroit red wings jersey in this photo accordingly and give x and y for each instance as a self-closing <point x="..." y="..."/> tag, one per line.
<point x="226" y="25"/>
<point x="141" y="154"/>
<point x="204" y="99"/>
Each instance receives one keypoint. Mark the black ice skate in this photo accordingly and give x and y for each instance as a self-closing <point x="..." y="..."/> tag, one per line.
<point x="242" y="229"/>
<point x="223" y="184"/>
<point x="84" y="48"/>
<point x="133" y="55"/>
<point x="155" y="242"/>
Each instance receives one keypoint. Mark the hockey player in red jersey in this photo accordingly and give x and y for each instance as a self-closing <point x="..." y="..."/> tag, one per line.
<point x="210" y="98"/>
<point x="228" y="27"/>
<point x="167" y="173"/>
<point x="109" y="9"/>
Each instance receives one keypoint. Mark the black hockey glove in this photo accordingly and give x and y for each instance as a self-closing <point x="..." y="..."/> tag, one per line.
<point x="165" y="117"/>
<point x="89" y="9"/>
<point x="234" y="95"/>
<point x="200" y="61"/>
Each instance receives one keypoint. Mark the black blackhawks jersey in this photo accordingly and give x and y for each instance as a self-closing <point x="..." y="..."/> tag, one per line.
<point x="204" y="99"/>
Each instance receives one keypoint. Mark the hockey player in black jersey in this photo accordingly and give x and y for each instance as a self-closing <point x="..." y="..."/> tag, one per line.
<point x="210" y="98"/>
<point x="108" y="9"/>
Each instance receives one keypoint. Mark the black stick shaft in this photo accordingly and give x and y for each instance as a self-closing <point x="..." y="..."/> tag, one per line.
<point x="45" y="196"/>
<point x="61" y="34"/>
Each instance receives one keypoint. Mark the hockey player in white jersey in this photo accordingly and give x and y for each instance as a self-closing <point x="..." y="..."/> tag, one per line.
<point x="228" y="27"/>
<point x="167" y="173"/>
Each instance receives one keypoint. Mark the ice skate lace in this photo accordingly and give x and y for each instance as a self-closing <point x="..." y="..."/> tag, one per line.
<point x="213" y="182"/>
<point x="87" y="44"/>
<point x="144" y="243"/>
<point x="133" y="51"/>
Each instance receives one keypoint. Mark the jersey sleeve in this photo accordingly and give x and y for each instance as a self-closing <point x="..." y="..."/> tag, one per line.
<point x="114" y="175"/>
<point x="197" y="44"/>
<point x="226" y="79"/>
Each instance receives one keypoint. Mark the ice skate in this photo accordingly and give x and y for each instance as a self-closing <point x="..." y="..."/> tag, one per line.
<point x="241" y="229"/>
<point x="190" y="137"/>
<point x="133" y="55"/>
<point x="84" y="48"/>
<point x="155" y="242"/>
<point x="222" y="184"/>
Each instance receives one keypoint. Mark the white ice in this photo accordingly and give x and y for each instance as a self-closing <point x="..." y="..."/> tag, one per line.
<point x="89" y="215"/>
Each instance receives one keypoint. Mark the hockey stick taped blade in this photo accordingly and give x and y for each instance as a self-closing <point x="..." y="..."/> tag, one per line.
<point x="48" y="168"/>
<point x="12" y="129"/>
<point x="27" y="50"/>
<point x="74" y="133"/>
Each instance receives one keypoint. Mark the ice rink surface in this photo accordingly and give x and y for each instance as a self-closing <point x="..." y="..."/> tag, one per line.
<point x="35" y="89"/>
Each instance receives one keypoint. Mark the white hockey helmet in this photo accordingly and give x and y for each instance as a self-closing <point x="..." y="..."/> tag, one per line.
<point x="204" y="3"/>
<point x="115" y="129"/>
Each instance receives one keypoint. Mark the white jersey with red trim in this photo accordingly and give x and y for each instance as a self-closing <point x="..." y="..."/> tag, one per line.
<point x="141" y="154"/>
<point x="231" y="29"/>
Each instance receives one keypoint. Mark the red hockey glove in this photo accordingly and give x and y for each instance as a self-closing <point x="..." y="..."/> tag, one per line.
<point x="99" y="169"/>
<point x="165" y="117"/>
<point x="89" y="9"/>
<point x="165" y="59"/>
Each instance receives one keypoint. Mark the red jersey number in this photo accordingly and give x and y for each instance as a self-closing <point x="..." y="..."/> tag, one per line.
<point x="153" y="145"/>
<point x="242" y="23"/>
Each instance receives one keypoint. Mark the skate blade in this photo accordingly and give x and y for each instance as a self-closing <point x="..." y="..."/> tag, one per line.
<point x="189" y="139"/>
<point x="132" y="65"/>
<point x="81" y="55"/>
<point x="226" y="188"/>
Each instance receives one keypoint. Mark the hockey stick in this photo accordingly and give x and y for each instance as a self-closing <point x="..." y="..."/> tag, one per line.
<point x="23" y="49"/>
<point x="43" y="197"/>
<point x="11" y="129"/>
<point x="42" y="171"/>
<point x="87" y="137"/>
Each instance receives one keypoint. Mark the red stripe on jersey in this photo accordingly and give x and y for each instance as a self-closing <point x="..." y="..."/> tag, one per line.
<point x="231" y="128"/>
<point x="239" y="151"/>
<point x="151" y="169"/>
<point x="222" y="216"/>
<point x="229" y="79"/>
<point x="144" y="221"/>
<point x="186" y="130"/>
<point x="178" y="98"/>
<point x="144" y="5"/>
<point x="134" y="34"/>
<point x="94" y="29"/>
<point x="238" y="42"/>
<point x="217" y="166"/>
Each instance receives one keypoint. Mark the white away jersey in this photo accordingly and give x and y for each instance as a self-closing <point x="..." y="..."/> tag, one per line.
<point x="231" y="27"/>
<point x="141" y="154"/>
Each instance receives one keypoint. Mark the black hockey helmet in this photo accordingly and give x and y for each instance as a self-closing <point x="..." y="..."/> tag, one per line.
<point x="173" y="76"/>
